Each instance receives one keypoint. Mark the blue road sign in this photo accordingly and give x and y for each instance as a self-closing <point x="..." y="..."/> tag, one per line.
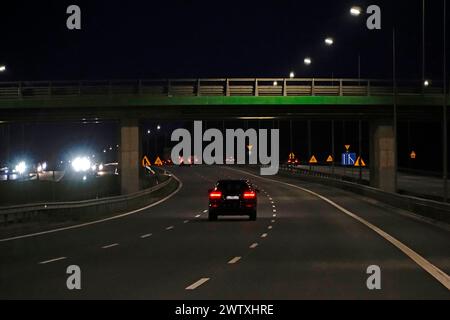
<point x="348" y="159"/>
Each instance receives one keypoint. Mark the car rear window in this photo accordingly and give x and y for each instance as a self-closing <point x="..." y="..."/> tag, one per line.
<point x="232" y="186"/>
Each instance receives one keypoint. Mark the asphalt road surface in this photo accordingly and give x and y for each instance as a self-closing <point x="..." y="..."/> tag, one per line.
<point x="301" y="247"/>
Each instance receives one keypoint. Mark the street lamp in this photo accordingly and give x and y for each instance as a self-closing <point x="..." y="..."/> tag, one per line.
<point x="2" y="68"/>
<point x="355" y="11"/>
<point x="426" y="83"/>
<point x="307" y="61"/>
<point x="292" y="75"/>
<point x="329" y="41"/>
<point x="275" y="83"/>
<point x="158" y="127"/>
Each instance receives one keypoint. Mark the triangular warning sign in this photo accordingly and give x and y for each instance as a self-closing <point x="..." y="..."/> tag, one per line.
<point x="146" y="162"/>
<point x="313" y="160"/>
<point x="360" y="162"/>
<point x="158" y="162"/>
<point x="330" y="159"/>
<point x="347" y="147"/>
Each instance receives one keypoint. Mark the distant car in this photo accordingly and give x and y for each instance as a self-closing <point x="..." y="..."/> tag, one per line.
<point x="233" y="197"/>
<point x="108" y="169"/>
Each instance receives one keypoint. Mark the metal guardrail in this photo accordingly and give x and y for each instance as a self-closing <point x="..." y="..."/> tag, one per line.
<point x="26" y="212"/>
<point x="320" y="174"/>
<point x="215" y="87"/>
<point x="428" y="208"/>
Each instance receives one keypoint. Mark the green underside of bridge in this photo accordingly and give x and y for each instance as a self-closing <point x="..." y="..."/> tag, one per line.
<point x="149" y="101"/>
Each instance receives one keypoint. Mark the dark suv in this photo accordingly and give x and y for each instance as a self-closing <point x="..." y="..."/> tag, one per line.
<point x="232" y="197"/>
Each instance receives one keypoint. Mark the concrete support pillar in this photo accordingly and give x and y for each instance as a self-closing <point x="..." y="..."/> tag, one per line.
<point x="130" y="145"/>
<point x="383" y="165"/>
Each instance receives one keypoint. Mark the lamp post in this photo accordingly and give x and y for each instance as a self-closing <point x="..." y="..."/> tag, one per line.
<point x="148" y="141"/>
<point x="158" y="128"/>
<point x="356" y="12"/>
<point x="394" y="78"/>
<point x="424" y="81"/>
<point x="444" y="107"/>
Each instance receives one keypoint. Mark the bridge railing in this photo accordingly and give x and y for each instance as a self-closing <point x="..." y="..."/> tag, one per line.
<point x="215" y="87"/>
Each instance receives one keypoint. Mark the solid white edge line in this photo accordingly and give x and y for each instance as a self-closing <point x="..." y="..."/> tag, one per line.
<point x="53" y="260"/>
<point x="434" y="271"/>
<point x="197" y="284"/>
<point x="99" y="221"/>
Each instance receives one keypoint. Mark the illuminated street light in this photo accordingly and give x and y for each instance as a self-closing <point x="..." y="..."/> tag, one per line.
<point x="2" y="68"/>
<point x="426" y="83"/>
<point x="329" y="41"/>
<point x="275" y="83"/>
<point x="158" y="127"/>
<point x="292" y="75"/>
<point x="149" y="131"/>
<point x="355" y="11"/>
<point x="307" y="61"/>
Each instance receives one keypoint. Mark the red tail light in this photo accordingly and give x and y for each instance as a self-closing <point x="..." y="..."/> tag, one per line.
<point x="215" y="195"/>
<point x="249" y="195"/>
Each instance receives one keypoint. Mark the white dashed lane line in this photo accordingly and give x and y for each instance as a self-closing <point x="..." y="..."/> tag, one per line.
<point x="110" y="246"/>
<point x="198" y="216"/>
<point x="270" y="227"/>
<point x="146" y="236"/>
<point x="52" y="260"/>
<point x="170" y="228"/>
<point x="186" y="221"/>
<point x="234" y="260"/>
<point x="264" y="235"/>
<point x="197" y="284"/>
<point x="205" y="211"/>
<point x="253" y="246"/>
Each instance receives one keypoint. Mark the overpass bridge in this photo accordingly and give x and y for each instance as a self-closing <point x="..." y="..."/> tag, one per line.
<point x="129" y="101"/>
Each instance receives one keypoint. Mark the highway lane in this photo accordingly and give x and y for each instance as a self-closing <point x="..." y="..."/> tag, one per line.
<point x="300" y="247"/>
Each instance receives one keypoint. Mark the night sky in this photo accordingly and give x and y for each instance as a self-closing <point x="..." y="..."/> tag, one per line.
<point x="180" y="39"/>
<point x="160" y="39"/>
